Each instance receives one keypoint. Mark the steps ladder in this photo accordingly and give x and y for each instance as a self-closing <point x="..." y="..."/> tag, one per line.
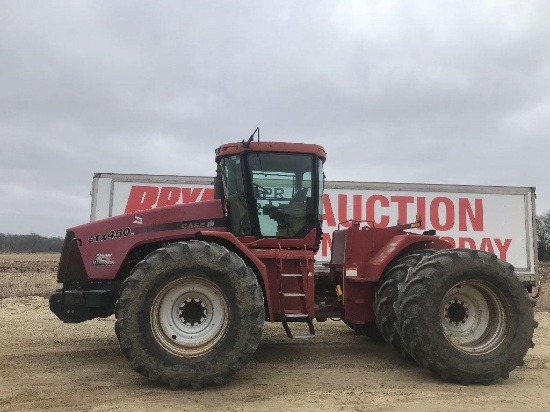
<point x="292" y="315"/>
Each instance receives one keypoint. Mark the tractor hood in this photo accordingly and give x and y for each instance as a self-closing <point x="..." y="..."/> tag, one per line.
<point x="105" y="244"/>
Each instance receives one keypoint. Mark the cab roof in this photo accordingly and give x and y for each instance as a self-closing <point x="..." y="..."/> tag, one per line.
<point x="230" y="149"/>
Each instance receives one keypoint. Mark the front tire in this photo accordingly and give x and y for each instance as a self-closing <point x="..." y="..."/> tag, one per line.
<point x="464" y="315"/>
<point x="190" y="314"/>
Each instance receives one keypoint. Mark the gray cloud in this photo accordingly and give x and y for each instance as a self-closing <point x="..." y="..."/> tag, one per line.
<point x="435" y="92"/>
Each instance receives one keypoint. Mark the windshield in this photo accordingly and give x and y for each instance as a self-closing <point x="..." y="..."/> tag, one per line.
<point x="282" y="189"/>
<point x="272" y="194"/>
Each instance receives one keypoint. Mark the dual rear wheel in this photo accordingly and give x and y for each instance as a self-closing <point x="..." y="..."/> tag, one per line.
<point x="460" y="313"/>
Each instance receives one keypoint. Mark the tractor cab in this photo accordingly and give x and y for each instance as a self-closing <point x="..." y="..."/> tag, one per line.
<point x="271" y="190"/>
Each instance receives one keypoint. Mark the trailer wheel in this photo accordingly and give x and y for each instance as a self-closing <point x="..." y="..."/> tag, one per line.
<point x="465" y="316"/>
<point x="386" y="295"/>
<point x="190" y="314"/>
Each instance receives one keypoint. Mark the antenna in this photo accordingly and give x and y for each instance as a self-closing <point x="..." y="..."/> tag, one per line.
<point x="246" y="145"/>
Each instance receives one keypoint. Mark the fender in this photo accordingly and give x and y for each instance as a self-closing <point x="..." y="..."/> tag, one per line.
<point x="410" y="242"/>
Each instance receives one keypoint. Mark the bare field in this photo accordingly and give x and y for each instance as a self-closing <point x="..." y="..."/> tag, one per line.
<point x="48" y="365"/>
<point x="28" y="274"/>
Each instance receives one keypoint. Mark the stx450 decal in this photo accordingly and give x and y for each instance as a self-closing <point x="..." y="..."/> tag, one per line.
<point x="113" y="234"/>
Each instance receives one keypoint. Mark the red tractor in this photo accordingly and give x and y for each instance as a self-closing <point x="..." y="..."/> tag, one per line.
<point x="191" y="285"/>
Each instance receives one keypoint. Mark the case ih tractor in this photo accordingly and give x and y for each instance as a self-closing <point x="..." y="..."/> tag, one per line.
<point x="191" y="285"/>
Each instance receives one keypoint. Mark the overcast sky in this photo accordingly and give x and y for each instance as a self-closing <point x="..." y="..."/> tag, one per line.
<point x="396" y="91"/>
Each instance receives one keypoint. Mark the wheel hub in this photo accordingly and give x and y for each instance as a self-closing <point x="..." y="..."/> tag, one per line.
<point x="193" y="312"/>
<point x="456" y="311"/>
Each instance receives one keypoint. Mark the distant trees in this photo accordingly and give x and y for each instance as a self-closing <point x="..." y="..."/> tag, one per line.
<point x="543" y="236"/>
<point x="32" y="243"/>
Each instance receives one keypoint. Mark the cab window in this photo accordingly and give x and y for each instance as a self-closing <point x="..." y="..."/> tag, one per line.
<point x="282" y="189"/>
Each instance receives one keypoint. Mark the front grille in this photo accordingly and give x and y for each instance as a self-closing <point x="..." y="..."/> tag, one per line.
<point x="71" y="266"/>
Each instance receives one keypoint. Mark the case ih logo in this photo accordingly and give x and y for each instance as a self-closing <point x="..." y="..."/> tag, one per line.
<point x="198" y="225"/>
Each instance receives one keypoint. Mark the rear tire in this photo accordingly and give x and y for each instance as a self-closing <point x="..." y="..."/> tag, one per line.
<point x="386" y="295"/>
<point x="190" y="314"/>
<point x="464" y="315"/>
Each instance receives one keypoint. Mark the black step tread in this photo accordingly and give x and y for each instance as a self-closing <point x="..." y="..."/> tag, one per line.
<point x="297" y="316"/>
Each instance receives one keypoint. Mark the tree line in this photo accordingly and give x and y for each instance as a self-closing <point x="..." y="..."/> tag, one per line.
<point x="32" y="243"/>
<point x="543" y="236"/>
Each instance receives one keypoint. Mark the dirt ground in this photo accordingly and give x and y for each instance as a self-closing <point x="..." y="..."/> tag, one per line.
<point x="48" y="365"/>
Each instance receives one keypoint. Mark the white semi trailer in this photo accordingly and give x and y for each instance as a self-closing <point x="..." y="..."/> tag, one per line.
<point x="497" y="219"/>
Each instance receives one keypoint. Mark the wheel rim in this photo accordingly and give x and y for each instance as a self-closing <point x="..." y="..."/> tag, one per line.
<point x="474" y="317"/>
<point x="189" y="316"/>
